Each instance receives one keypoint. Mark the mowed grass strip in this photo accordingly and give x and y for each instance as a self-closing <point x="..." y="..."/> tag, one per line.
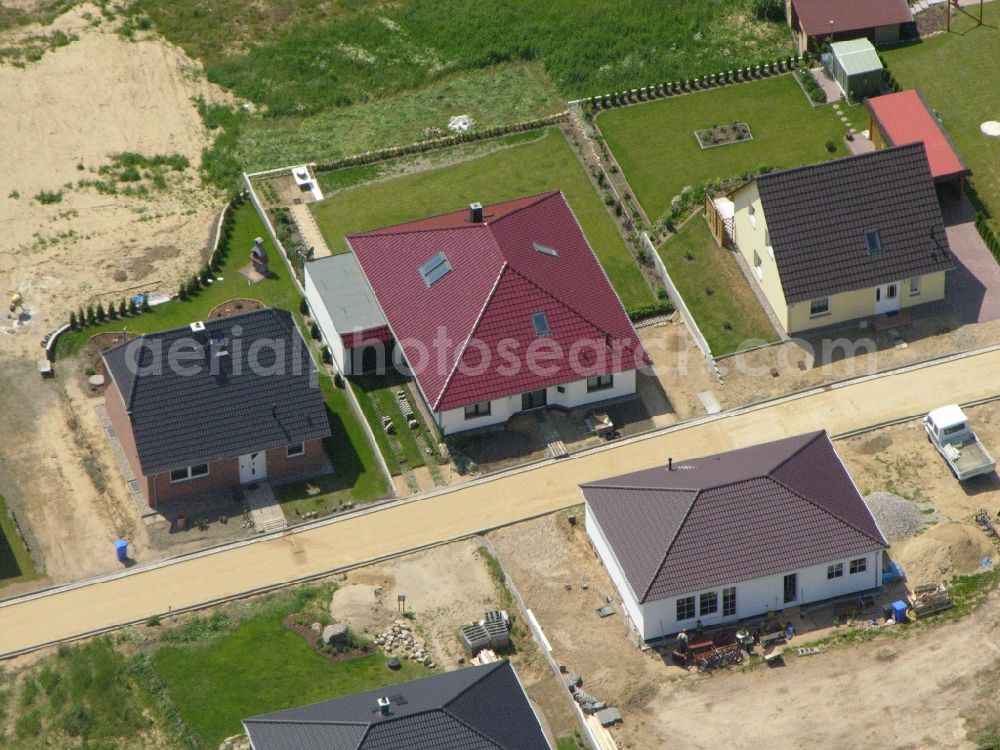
<point x="261" y="667"/>
<point x="958" y="75"/>
<point x="732" y="302"/>
<point x="528" y="169"/>
<point x="655" y="144"/>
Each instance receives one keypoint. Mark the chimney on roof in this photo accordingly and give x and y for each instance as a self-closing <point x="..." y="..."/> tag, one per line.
<point x="199" y="333"/>
<point x="670" y="464"/>
<point x="383" y="705"/>
<point x="476" y="213"/>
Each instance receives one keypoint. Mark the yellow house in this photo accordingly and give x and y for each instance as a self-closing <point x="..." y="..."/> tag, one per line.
<point x="852" y="238"/>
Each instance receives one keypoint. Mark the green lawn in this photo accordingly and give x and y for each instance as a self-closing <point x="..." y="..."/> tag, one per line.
<point x="261" y="667"/>
<point x="731" y="301"/>
<point x="357" y="475"/>
<point x="957" y="74"/>
<point x="655" y="144"/>
<point x="527" y="169"/>
<point x="15" y="562"/>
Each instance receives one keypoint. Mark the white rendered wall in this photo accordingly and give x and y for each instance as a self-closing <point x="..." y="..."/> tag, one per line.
<point x="331" y="337"/>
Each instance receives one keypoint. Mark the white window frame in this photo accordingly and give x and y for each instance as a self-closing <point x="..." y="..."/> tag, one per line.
<point x="915" y="286"/>
<point x="684" y="600"/>
<point x="752" y="216"/>
<point x="711" y="598"/>
<point x="834" y="571"/>
<point x="729" y="591"/>
<point x="300" y="450"/>
<point x="600" y="382"/>
<point x="476" y="410"/>
<point x="767" y="242"/>
<point x="758" y="266"/>
<point x="858" y="565"/>
<point x="189" y="473"/>
<point x="821" y="313"/>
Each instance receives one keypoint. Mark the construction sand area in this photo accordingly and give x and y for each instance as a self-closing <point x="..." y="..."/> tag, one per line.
<point x="446" y="588"/>
<point x="949" y="672"/>
<point x="69" y="113"/>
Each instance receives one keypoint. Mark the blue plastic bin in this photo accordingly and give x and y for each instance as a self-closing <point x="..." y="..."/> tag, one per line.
<point x="899" y="611"/>
<point x="121" y="550"/>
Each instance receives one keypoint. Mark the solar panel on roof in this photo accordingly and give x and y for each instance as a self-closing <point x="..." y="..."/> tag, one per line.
<point x="433" y="269"/>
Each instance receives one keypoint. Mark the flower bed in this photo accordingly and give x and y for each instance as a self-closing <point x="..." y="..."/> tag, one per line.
<point x="723" y="135"/>
<point x="235" y="307"/>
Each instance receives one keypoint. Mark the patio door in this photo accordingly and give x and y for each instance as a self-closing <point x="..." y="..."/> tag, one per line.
<point x="534" y="399"/>
<point x="791" y="587"/>
<point x="253" y="467"/>
<point x="887" y="298"/>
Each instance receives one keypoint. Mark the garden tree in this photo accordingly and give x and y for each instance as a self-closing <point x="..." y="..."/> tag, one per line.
<point x="91" y="317"/>
<point x="72" y="321"/>
<point x="303" y="307"/>
<point x="123" y="309"/>
<point x="81" y="317"/>
<point x="182" y="293"/>
<point x="112" y="311"/>
<point x="133" y="308"/>
<point x="101" y="314"/>
<point x="144" y="307"/>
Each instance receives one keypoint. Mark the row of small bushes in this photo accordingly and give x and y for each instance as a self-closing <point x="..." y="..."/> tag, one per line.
<point x="97" y="314"/>
<point x="988" y="235"/>
<point x="653" y="309"/>
<point x="690" y="198"/>
<point x="890" y="80"/>
<point x="672" y="88"/>
<point x="813" y="89"/>
<point x="369" y="157"/>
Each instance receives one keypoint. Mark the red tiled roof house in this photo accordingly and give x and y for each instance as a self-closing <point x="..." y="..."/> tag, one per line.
<point x="494" y="310"/>
<point x="813" y="22"/>
<point x="726" y="537"/>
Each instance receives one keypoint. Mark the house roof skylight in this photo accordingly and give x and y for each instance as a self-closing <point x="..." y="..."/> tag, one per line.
<point x="541" y="322"/>
<point x="545" y="250"/>
<point x="433" y="269"/>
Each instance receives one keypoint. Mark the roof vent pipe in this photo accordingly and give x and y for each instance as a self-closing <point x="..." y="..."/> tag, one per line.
<point x="383" y="705"/>
<point x="476" y="213"/>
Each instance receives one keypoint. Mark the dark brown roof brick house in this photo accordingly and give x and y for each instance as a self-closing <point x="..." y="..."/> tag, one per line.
<point x="718" y="539"/>
<point x="476" y="708"/>
<point x="813" y="22"/>
<point x="210" y="406"/>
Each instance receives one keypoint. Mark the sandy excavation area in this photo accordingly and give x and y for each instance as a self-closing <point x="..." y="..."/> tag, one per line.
<point x="445" y="587"/>
<point x="76" y="107"/>
<point x="64" y="118"/>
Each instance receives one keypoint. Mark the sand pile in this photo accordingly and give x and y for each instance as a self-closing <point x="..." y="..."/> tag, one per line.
<point x="357" y="605"/>
<point x="943" y="551"/>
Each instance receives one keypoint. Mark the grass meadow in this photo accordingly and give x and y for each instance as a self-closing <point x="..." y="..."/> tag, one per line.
<point x="656" y="147"/>
<point x="526" y="169"/>
<point x="731" y="315"/>
<point x="957" y="74"/>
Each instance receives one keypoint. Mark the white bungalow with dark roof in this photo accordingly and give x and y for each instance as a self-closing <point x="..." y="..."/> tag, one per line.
<point x="726" y="537"/>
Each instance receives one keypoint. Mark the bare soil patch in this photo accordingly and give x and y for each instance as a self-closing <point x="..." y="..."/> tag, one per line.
<point x="445" y="587"/>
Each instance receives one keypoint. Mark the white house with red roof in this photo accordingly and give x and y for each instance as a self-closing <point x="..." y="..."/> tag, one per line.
<point x="493" y="310"/>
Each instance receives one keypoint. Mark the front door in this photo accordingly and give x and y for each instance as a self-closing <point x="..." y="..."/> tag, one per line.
<point x="534" y="399"/>
<point x="253" y="467"/>
<point x="887" y="298"/>
<point x="791" y="587"/>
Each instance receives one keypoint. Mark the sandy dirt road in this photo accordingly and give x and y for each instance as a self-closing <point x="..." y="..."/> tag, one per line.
<point x="465" y="510"/>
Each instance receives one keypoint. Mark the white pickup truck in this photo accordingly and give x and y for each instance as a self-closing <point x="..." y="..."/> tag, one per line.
<point x="948" y="429"/>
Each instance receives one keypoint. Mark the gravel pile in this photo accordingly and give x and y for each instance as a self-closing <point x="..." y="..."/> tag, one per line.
<point x="896" y="516"/>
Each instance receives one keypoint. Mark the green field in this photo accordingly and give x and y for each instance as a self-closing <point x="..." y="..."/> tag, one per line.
<point x="15" y="562"/>
<point x="711" y="267"/>
<point x="496" y="96"/>
<point x="258" y="668"/>
<point x="358" y="476"/>
<point x="655" y="144"/>
<point x="528" y="169"/>
<point x="957" y="74"/>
